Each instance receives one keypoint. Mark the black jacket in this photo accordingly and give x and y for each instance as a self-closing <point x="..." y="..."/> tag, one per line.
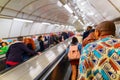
<point x="16" y="51"/>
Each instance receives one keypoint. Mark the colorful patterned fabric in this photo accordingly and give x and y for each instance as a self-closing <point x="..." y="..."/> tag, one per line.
<point x="100" y="60"/>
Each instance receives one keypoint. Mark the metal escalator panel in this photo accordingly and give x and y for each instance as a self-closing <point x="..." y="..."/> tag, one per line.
<point x="34" y="67"/>
<point x="61" y="72"/>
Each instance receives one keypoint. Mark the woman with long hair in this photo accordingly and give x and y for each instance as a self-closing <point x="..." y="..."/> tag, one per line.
<point x="73" y="56"/>
<point x="30" y="43"/>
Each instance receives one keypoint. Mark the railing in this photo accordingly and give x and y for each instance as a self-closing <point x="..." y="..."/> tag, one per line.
<point x="38" y="65"/>
<point x="2" y="56"/>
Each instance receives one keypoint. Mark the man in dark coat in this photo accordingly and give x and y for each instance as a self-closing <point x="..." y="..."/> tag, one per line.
<point x="87" y="32"/>
<point x="14" y="55"/>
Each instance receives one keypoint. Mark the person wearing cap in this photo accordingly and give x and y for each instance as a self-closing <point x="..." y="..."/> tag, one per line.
<point x="100" y="60"/>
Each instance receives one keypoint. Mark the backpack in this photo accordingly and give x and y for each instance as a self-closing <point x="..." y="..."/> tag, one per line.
<point x="73" y="53"/>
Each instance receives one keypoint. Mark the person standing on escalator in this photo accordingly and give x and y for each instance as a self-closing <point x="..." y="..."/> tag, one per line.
<point x="87" y="32"/>
<point x="73" y="56"/>
<point x="14" y="55"/>
<point x="41" y="43"/>
<point x="100" y="60"/>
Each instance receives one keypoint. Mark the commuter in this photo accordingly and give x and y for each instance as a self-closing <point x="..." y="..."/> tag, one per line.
<point x="33" y="37"/>
<point x="60" y="37"/>
<point x="65" y="35"/>
<point x="37" y="46"/>
<point x="51" y="40"/>
<point x="14" y="55"/>
<point x="4" y="48"/>
<point x="79" y="37"/>
<point x="73" y="56"/>
<point x="41" y="43"/>
<point x="30" y="43"/>
<point x="46" y="40"/>
<point x="90" y="38"/>
<point x="9" y="41"/>
<point x="0" y="43"/>
<point x="71" y="33"/>
<point x="87" y="32"/>
<point x="100" y="60"/>
<point x="55" y="39"/>
<point x="45" y="37"/>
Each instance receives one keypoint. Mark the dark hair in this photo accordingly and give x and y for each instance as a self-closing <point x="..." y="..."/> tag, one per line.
<point x="39" y="37"/>
<point x="74" y="41"/>
<point x="20" y="38"/>
<point x="5" y="43"/>
<point x="89" y="27"/>
<point x="93" y="30"/>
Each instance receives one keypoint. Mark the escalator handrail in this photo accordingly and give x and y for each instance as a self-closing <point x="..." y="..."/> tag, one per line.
<point x="30" y="64"/>
<point x="45" y="73"/>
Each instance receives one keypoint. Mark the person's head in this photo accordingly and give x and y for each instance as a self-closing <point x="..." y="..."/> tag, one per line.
<point x="74" y="40"/>
<point x="40" y="38"/>
<point x="91" y="37"/>
<point x="29" y="41"/>
<point x="20" y="38"/>
<point x="105" y="28"/>
<point x="4" y="44"/>
<point x="26" y="40"/>
<point x="0" y="40"/>
<point x="89" y="28"/>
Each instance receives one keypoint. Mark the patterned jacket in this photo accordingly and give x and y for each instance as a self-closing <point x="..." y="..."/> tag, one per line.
<point x="100" y="60"/>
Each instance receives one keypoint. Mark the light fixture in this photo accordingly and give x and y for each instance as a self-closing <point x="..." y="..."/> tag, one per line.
<point x="80" y="22"/>
<point x="84" y="28"/>
<point x="83" y="3"/>
<point x="59" y="4"/>
<point x="68" y="8"/>
<point x="75" y="17"/>
<point x="91" y="13"/>
<point x="23" y="20"/>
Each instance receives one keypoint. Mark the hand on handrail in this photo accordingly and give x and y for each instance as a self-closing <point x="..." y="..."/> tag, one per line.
<point x="39" y="53"/>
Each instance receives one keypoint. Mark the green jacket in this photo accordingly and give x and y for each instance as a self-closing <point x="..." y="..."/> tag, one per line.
<point x="3" y="50"/>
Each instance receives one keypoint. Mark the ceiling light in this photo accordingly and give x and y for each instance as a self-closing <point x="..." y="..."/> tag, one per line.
<point x="59" y="4"/>
<point x="68" y="8"/>
<point x="83" y="3"/>
<point x="91" y="13"/>
<point x="75" y="17"/>
<point x="80" y="22"/>
<point x="84" y="28"/>
<point x="23" y="20"/>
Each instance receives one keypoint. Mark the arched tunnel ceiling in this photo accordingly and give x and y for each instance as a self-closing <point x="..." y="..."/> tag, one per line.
<point x="36" y="10"/>
<point x="95" y="11"/>
<point x="88" y="11"/>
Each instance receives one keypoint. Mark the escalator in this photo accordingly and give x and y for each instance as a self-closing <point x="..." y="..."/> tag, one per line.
<point x="51" y="65"/>
<point x="60" y="70"/>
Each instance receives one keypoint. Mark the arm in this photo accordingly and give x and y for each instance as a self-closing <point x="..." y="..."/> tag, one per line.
<point x="67" y="50"/>
<point x="80" y="47"/>
<point x="7" y="53"/>
<point x="30" y="46"/>
<point x="24" y="48"/>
